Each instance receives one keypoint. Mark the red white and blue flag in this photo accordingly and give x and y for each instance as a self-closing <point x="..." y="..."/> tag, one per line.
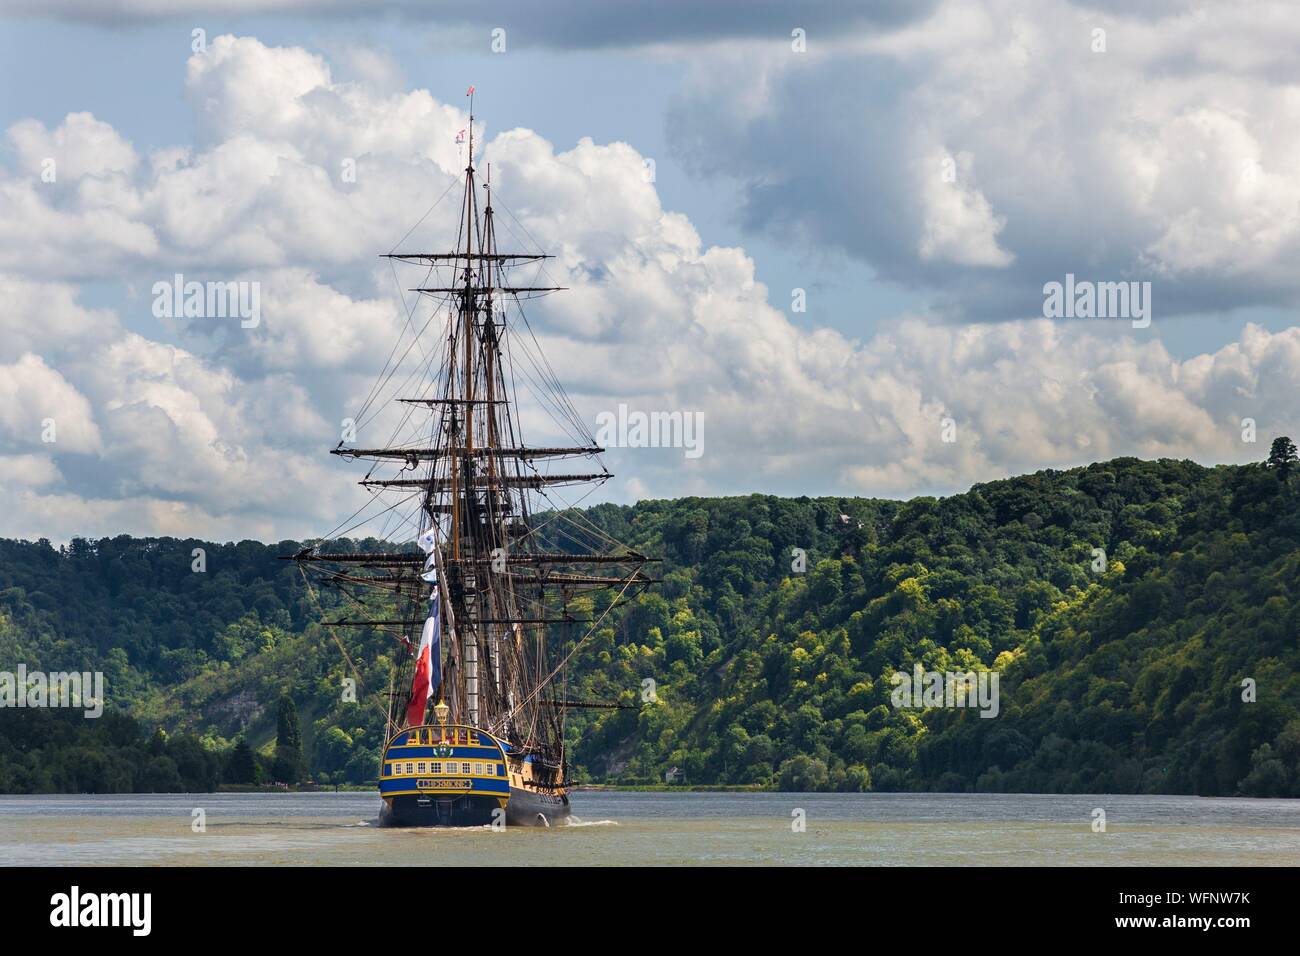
<point x="428" y="662"/>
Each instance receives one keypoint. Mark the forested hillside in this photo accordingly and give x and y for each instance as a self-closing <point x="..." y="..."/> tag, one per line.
<point x="761" y="664"/>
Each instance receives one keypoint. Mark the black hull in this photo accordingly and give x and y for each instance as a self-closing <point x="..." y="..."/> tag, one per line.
<point x="414" y="810"/>
<point x="527" y="808"/>
<point x="532" y="808"/>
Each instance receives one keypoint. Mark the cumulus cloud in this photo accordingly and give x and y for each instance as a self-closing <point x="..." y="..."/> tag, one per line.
<point x="29" y="471"/>
<point x="82" y="146"/>
<point x="290" y="168"/>
<point x="1158" y="143"/>
<point x="39" y="406"/>
<point x="209" y="427"/>
<point x="109" y="423"/>
<point x="959" y="225"/>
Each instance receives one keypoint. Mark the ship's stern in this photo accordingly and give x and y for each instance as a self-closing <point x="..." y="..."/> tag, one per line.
<point x="443" y="776"/>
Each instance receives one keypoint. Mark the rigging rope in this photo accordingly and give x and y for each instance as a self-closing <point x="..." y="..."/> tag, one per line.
<point x="356" y="675"/>
<point x="551" y="676"/>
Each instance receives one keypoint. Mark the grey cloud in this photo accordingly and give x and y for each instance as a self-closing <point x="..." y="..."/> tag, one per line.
<point x="565" y="24"/>
<point x="1107" y="165"/>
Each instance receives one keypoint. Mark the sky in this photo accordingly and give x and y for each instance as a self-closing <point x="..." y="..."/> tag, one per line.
<point x="826" y="231"/>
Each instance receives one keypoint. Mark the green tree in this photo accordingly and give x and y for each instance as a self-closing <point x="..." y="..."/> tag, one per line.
<point x="288" y="743"/>
<point x="802" y="774"/>
<point x="161" y="776"/>
<point x="241" y="768"/>
<point x="1283" y="456"/>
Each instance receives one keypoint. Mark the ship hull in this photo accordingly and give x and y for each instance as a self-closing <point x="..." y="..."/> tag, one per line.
<point x="526" y="808"/>
<point x="459" y="776"/>
<point x="444" y="776"/>
<point x="532" y="808"/>
<point x="418" y="810"/>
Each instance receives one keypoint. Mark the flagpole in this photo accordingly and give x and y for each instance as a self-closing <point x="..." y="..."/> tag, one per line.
<point x="446" y="612"/>
<point x="470" y="94"/>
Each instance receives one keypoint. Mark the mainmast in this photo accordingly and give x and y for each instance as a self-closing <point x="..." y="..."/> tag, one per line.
<point x="469" y="577"/>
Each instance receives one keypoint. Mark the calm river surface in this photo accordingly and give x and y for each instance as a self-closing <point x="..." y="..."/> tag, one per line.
<point x="661" y="828"/>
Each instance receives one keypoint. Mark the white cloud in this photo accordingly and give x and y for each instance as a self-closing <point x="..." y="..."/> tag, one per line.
<point x="82" y="146"/>
<point x="222" y="432"/>
<point x="1170" y="156"/>
<point x="265" y="186"/>
<point x="38" y="406"/>
<point x="30" y="471"/>
<point x="959" y="224"/>
<point x="46" y="317"/>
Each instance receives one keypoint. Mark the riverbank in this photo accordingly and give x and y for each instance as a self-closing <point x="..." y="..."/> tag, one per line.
<point x="576" y="788"/>
<point x="669" y="788"/>
<point x="297" y="788"/>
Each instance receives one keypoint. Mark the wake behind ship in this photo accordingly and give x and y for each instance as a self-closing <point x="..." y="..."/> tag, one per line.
<point x="481" y="608"/>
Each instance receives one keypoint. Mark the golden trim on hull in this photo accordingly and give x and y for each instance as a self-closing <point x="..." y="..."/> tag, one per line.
<point x="456" y="745"/>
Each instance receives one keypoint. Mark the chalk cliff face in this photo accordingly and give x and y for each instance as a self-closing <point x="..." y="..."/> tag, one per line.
<point x="1142" y="618"/>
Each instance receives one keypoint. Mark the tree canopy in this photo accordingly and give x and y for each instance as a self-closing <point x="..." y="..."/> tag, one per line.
<point x="1141" y="615"/>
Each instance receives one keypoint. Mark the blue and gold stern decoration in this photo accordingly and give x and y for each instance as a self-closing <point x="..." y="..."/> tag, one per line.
<point x="444" y="760"/>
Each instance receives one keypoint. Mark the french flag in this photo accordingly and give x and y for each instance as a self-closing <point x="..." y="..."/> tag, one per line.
<point x="428" y="664"/>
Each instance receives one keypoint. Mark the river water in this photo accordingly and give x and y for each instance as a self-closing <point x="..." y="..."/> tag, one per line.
<point x="623" y="828"/>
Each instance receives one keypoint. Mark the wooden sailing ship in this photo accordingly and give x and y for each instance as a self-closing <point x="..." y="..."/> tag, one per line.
<point x="476" y="720"/>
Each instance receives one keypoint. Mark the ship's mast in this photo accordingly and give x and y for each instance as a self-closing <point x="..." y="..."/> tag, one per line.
<point x="506" y="578"/>
<point x="469" y="578"/>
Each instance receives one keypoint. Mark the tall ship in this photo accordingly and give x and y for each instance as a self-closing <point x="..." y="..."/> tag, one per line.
<point x="483" y="559"/>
